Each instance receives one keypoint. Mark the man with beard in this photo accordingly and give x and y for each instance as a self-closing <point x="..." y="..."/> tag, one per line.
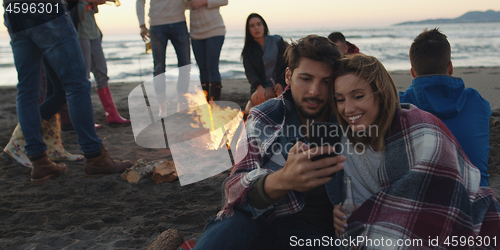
<point x="276" y="197"/>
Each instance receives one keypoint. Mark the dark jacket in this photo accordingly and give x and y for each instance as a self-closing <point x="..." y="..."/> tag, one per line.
<point x="254" y="66"/>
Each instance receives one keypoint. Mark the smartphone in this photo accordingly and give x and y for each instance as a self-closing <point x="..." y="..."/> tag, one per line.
<point x="325" y="134"/>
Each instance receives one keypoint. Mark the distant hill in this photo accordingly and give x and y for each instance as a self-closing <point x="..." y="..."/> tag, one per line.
<point x="469" y="17"/>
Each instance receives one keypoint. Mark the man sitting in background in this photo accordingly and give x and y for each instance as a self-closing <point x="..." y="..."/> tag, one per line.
<point x="434" y="90"/>
<point x="345" y="47"/>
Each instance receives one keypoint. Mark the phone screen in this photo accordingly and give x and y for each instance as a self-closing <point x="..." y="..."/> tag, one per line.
<point x="325" y="134"/>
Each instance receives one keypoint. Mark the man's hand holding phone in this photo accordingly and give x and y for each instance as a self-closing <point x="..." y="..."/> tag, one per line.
<point x="323" y="134"/>
<point x="300" y="173"/>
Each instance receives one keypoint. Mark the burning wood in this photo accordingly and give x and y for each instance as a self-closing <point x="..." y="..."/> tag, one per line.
<point x="213" y="117"/>
<point x="200" y="138"/>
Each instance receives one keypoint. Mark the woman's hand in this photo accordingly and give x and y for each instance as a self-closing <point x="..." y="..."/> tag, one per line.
<point x="260" y="94"/>
<point x="195" y="4"/>
<point x="339" y="220"/>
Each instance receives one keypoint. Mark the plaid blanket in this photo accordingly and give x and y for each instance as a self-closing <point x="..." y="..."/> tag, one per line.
<point x="187" y="245"/>
<point x="431" y="195"/>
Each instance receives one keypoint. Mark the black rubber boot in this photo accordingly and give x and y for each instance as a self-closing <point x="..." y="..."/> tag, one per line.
<point x="206" y="89"/>
<point x="215" y="90"/>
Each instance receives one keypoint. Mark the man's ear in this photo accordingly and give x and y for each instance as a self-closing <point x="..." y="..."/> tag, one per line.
<point x="413" y="73"/>
<point x="288" y="75"/>
<point x="450" y="69"/>
<point x="346" y="49"/>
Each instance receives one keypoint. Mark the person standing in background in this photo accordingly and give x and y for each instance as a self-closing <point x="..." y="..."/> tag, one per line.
<point x="50" y="37"/>
<point x="167" y="22"/>
<point x="51" y="125"/>
<point x="207" y="37"/>
<point x="90" y="38"/>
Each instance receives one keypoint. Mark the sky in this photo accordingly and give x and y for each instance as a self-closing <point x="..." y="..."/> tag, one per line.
<point x="300" y="14"/>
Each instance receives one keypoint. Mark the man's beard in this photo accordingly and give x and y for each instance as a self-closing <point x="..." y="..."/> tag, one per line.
<point x="307" y="115"/>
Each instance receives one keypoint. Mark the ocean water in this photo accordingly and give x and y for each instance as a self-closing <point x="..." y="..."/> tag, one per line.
<point x="473" y="45"/>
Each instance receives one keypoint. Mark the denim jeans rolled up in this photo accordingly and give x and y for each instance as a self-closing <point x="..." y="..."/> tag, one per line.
<point x="207" y="55"/>
<point x="51" y="37"/>
<point x="160" y="35"/>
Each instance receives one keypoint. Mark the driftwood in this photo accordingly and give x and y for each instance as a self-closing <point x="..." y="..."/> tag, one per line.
<point x="168" y="240"/>
<point x="140" y="170"/>
<point x="165" y="172"/>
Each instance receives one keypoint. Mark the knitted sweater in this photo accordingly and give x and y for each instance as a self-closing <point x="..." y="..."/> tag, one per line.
<point x="161" y="11"/>
<point x="206" y="21"/>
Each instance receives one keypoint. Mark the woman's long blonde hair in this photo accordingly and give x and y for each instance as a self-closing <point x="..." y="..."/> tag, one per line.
<point x="375" y="74"/>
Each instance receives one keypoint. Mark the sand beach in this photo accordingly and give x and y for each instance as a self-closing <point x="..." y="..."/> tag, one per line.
<point x="73" y="212"/>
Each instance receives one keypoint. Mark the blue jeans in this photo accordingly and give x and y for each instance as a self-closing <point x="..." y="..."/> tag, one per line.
<point x="55" y="97"/>
<point x="52" y="38"/>
<point x="240" y="232"/>
<point x="160" y="34"/>
<point x="207" y="54"/>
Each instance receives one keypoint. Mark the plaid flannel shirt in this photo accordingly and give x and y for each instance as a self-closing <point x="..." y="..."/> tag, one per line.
<point x="430" y="189"/>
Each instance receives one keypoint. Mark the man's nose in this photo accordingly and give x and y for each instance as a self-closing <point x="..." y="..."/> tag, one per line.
<point x="314" y="89"/>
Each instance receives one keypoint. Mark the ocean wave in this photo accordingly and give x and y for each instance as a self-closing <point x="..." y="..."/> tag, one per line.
<point x="126" y="76"/>
<point x="472" y="45"/>
<point x="126" y="58"/>
<point x="229" y="62"/>
<point x="6" y="65"/>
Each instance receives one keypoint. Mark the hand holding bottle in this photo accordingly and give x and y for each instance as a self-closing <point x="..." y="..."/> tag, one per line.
<point x="144" y="33"/>
<point x="342" y="212"/>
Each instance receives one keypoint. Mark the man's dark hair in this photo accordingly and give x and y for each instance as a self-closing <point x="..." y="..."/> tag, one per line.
<point x="317" y="48"/>
<point x="430" y="53"/>
<point x="337" y="37"/>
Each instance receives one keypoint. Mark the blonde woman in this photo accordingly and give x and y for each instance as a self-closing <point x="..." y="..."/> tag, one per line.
<point x="410" y="177"/>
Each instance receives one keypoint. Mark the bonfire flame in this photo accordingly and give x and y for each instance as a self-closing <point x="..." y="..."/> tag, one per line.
<point x="221" y="122"/>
